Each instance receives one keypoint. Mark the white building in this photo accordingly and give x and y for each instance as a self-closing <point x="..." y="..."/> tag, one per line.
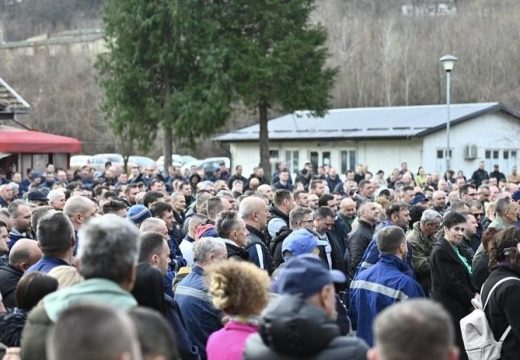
<point x="384" y="137"/>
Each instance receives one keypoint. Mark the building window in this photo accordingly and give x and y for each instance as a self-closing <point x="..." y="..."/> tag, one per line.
<point x="487" y="154"/>
<point x="495" y="154"/>
<point x="292" y="160"/>
<point x="441" y="153"/>
<point x="274" y="156"/>
<point x="348" y="160"/>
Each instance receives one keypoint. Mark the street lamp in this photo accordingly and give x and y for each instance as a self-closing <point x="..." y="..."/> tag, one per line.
<point x="448" y="62"/>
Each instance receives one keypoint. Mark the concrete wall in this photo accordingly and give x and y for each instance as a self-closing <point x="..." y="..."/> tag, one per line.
<point x="497" y="131"/>
<point x="378" y="154"/>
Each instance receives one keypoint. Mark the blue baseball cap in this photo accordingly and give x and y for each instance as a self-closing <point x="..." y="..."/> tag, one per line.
<point x="299" y="242"/>
<point x="305" y="275"/>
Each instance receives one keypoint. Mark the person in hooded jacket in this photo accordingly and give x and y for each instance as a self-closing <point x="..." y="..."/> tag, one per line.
<point x="299" y="323"/>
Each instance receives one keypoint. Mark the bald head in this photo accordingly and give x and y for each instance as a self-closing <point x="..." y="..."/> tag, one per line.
<point x="79" y="209"/>
<point x="347" y="207"/>
<point x="253" y="210"/>
<point x="24" y="253"/>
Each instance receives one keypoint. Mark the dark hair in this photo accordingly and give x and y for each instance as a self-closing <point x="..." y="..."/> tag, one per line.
<point x="396" y="208"/>
<point x="281" y="195"/>
<point x="389" y="239"/>
<point x="158" y="209"/>
<point x="55" y="233"/>
<point x="154" y="333"/>
<point x="151" y="243"/>
<point x="324" y="199"/>
<point x="32" y="288"/>
<point x="226" y="223"/>
<point x="149" y="288"/>
<point x="130" y="186"/>
<point x="214" y="206"/>
<point x="407" y="188"/>
<point x="323" y="212"/>
<point x="113" y="206"/>
<point x="489" y="237"/>
<point x="464" y="189"/>
<point x="453" y="218"/>
<point x="508" y="238"/>
<point x="152" y="196"/>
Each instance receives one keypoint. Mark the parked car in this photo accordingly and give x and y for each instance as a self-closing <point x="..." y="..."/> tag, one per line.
<point x="99" y="160"/>
<point x="141" y="161"/>
<point x="78" y="161"/>
<point x="210" y="165"/>
<point x="177" y="160"/>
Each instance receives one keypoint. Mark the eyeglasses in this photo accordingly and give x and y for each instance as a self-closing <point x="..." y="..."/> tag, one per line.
<point x="478" y="215"/>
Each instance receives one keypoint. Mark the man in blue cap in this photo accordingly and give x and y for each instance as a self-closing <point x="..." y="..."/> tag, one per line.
<point x="300" y="323"/>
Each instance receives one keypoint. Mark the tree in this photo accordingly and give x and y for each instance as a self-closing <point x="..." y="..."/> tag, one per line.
<point x="279" y="60"/>
<point x="164" y="68"/>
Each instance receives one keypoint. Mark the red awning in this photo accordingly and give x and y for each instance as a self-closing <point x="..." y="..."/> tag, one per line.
<point x="13" y="140"/>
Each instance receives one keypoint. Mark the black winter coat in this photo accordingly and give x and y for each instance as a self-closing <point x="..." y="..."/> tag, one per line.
<point x="451" y="284"/>
<point x="502" y="310"/>
<point x="358" y="242"/>
<point x="9" y="277"/>
<point x="291" y="328"/>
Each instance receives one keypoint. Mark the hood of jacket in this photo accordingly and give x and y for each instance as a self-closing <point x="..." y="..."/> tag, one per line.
<point x="93" y="290"/>
<point x="293" y="327"/>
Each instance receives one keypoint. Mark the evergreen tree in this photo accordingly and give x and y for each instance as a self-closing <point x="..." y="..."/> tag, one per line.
<point x="279" y="59"/>
<point x="164" y="69"/>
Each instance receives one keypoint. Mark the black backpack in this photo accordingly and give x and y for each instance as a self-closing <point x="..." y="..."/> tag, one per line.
<point x="275" y="246"/>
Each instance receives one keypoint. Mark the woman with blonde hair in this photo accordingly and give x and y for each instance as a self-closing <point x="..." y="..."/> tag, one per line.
<point x="66" y="276"/>
<point x="241" y="291"/>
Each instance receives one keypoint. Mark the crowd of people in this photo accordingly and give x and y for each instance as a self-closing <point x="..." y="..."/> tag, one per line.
<point x="217" y="265"/>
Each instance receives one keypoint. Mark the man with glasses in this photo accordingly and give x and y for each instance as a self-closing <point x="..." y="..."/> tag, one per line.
<point x="421" y="239"/>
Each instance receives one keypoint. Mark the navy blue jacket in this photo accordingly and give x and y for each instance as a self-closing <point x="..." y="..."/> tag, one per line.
<point x="378" y="287"/>
<point x="46" y="264"/>
<point x="371" y="256"/>
<point x="195" y="305"/>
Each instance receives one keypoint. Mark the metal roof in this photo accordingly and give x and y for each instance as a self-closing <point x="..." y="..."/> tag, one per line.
<point x="357" y="123"/>
<point x="10" y="100"/>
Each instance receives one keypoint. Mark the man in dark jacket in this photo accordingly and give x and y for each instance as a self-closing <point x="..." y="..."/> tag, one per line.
<point x="479" y="175"/>
<point x="360" y="238"/>
<point x="237" y="176"/>
<point x="283" y="203"/>
<point x="255" y="213"/>
<point x="307" y="299"/>
<point x="23" y="254"/>
<point x="330" y="249"/>
<point x="232" y="230"/>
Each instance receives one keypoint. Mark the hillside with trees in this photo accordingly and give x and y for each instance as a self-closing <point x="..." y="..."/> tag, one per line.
<point x="387" y="53"/>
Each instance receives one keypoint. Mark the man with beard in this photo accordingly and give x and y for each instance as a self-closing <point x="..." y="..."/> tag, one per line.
<point x="21" y="217"/>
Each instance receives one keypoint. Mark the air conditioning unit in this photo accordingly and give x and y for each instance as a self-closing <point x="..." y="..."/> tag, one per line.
<point x="470" y="152"/>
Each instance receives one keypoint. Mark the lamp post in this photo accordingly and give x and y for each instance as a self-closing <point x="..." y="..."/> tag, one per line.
<point x="448" y="62"/>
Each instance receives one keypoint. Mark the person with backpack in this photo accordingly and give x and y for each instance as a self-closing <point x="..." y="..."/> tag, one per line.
<point x="502" y="306"/>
